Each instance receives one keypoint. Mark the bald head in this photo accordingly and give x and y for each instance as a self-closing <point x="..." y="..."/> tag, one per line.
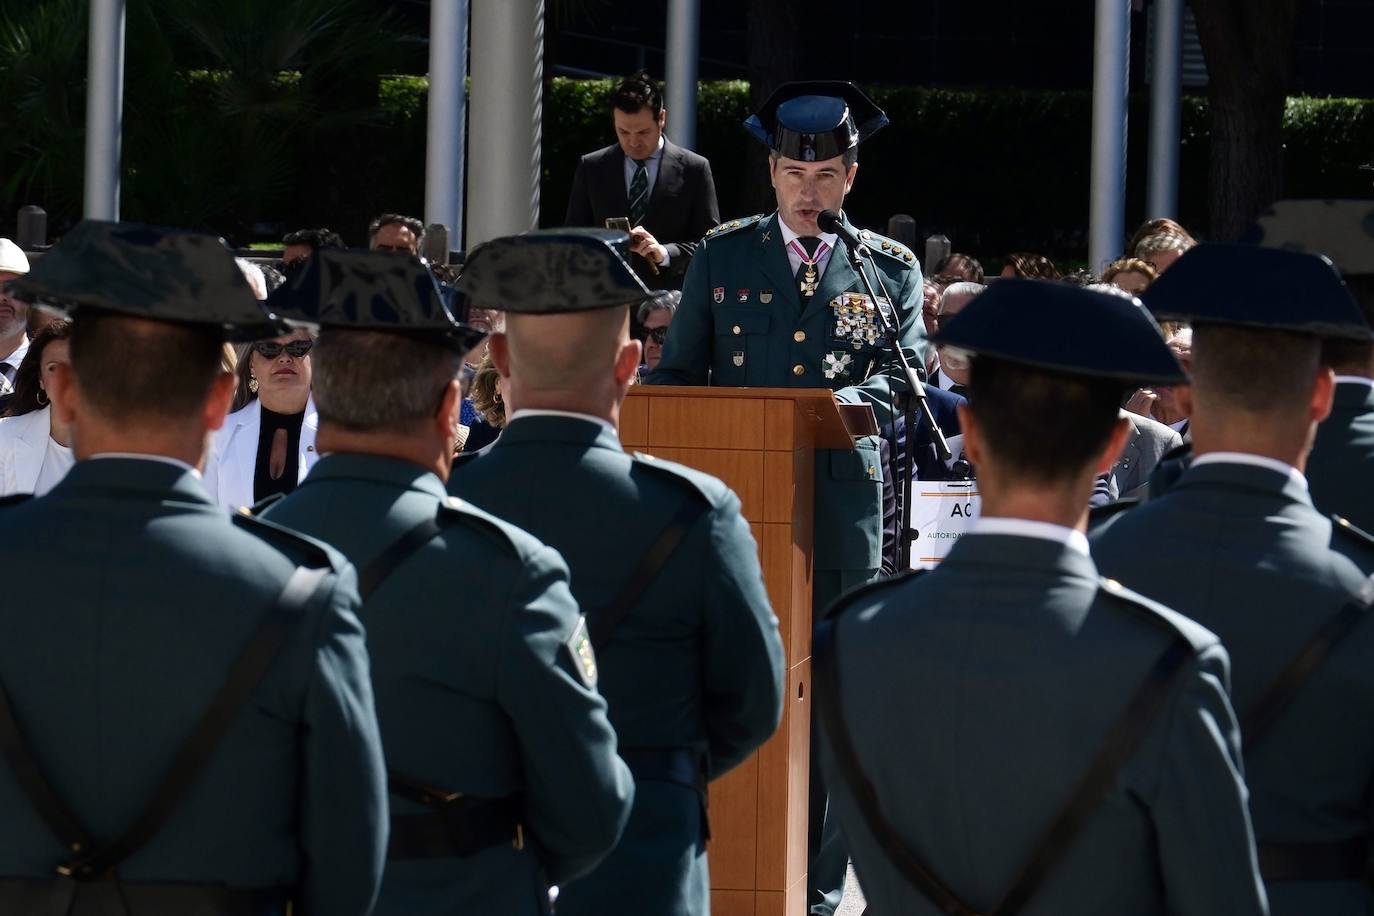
<point x="572" y="353"/>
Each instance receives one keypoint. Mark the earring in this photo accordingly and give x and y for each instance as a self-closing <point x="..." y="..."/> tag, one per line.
<point x="498" y="397"/>
<point x="253" y="383"/>
<point x="42" y="398"/>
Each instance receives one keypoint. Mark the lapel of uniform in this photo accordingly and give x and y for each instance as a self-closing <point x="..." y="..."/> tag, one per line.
<point x="778" y="268"/>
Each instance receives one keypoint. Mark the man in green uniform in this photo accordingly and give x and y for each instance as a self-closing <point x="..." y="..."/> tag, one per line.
<point x="770" y="302"/>
<point x="1237" y="545"/>
<point x="503" y="769"/>
<point x="186" y="714"/>
<point x="1012" y="732"/>
<point x="662" y="562"/>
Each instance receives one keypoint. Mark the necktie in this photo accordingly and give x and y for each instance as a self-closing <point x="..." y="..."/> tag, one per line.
<point x="807" y="248"/>
<point x="639" y="194"/>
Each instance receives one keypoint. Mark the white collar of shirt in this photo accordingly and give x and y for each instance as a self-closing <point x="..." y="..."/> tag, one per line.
<point x="1071" y="538"/>
<point x="794" y="259"/>
<point x="570" y="414"/>
<point x="1355" y="380"/>
<point x="944" y="381"/>
<point x="135" y="456"/>
<point x="650" y="166"/>
<point x="17" y="357"/>
<point x="1254" y="461"/>
<point x="1179" y="426"/>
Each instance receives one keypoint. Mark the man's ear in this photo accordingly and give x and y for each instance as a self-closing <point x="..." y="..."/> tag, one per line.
<point x="450" y="409"/>
<point x="849" y="177"/>
<point x="627" y="361"/>
<point x="1121" y="434"/>
<point x="217" y="403"/>
<point x="498" y="348"/>
<point x="662" y="118"/>
<point x="1323" y="395"/>
<point x="63" y="393"/>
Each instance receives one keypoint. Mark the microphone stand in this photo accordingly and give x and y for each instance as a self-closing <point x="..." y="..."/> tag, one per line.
<point x="891" y="327"/>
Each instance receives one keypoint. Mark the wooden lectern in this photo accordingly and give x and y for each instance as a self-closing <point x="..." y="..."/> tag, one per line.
<point x="761" y="442"/>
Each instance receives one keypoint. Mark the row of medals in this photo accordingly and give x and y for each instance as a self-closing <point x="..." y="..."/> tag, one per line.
<point x="854" y="317"/>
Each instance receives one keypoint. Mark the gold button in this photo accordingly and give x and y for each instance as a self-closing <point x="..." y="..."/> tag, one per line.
<point x="736" y="329"/>
<point x="799" y="337"/>
<point x="799" y="369"/>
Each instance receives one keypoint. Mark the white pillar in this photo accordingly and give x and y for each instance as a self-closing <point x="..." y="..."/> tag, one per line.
<point x="506" y="115"/>
<point x="1166" y="90"/>
<point x="684" y="42"/>
<point x="1111" y="72"/>
<point x="104" y="109"/>
<point x="447" y="126"/>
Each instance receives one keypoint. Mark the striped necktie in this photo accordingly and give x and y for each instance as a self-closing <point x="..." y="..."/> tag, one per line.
<point x="639" y="194"/>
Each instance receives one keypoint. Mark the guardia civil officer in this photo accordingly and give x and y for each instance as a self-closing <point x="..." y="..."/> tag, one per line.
<point x="1237" y="545"/>
<point x="771" y="301"/>
<point x="1012" y="732"/>
<point x="186" y="713"/>
<point x="663" y="564"/>
<point x="502" y="764"/>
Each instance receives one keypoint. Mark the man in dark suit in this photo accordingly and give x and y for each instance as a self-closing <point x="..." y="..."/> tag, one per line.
<point x="666" y="192"/>
<point x="1237" y="545"/>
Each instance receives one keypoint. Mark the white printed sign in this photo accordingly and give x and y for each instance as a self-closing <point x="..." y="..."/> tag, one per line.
<point x="941" y="511"/>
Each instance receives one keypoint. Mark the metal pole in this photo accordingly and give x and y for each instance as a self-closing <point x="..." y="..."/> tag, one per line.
<point x="444" y="152"/>
<point x="1111" y="71"/>
<point x="507" y="111"/>
<point x="104" y="104"/>
<point x="1166" y="90"/>
<point x="684" y="42"/>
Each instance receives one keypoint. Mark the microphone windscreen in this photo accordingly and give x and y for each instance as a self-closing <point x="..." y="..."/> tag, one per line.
<point x="827" y="220"/>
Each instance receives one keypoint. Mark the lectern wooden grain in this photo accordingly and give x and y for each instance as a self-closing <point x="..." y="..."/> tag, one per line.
<point x="761" y="442"/>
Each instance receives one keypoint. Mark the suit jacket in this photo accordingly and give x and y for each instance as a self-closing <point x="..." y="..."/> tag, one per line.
<point x="1241" y="550"/>
<point x="1129" y="478"/>
<point x="741" y="322"/>
<point x="477" y="687"/>
<point x="1341" y="465"/>
<point x="23" y="448"/>
<point x="1017" y="660"/>
<point x="158" y="591"/>
<point x="697" y="662"/>
<point x="682" y="204"/>
<point x="233" y="455"/>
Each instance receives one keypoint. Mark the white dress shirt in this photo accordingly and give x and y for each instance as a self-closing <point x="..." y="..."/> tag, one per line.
<point x="788" y="237"/>
<point x="10" y="365"/>
<point x="535" y="412"/>
<point x="1071" y="538"/>
<point x="1254" y="461"/>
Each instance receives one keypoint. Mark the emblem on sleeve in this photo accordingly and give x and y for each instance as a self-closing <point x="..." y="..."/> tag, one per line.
<point x="836" y="364"/>
<point x="718" y="294"/>
<point x="580" y="647"/>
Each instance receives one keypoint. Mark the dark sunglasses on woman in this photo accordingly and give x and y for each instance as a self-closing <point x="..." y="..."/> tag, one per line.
<point x="270" y="349"/>
<point x="657" y="335"/>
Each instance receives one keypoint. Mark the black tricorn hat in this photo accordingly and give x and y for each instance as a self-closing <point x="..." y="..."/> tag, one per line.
<point x="816" y="120"/>
<point x="373" y="291"/>
<point x="1092" y="334"/>
<point x="552" y="271"/>
<point x="1250" y="286"/>
<point x="147" y="272"/>
<point x="1342" y="230"/>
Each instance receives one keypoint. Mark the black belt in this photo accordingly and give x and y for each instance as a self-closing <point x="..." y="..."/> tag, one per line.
<point x="676" y="765"/>
<point x="66" y="897"/>
<point x="458" y="830"/>
<point x="1345" y="861"/>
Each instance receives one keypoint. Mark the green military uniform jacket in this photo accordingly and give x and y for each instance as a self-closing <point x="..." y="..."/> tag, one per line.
<point x="480" y="687"/>
<point x="977" y="695"/>
<point x="696" y="664"/>
<point x="1241" y="550"/>
<point x="129" y="595"/>
<point x="1341" y="465"/>
<point x="741" y="323"/>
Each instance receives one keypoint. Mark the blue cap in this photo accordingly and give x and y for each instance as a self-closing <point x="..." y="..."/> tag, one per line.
<point x="552" y="271"/>
<point x="1050" y="325"/>
<point x="1255" y="287"/>
<point x="147" y="272"/>
<point x="373" y="291"/>
<point x="816" y="120"/>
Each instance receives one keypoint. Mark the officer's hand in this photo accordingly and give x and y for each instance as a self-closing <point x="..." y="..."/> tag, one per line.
<point x="1141" y="402"/>
<point x="645" y="245"/>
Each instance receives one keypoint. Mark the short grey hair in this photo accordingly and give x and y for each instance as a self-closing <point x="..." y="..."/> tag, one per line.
<point x="257" y="281"/>
<point x="370" y="381"/>
<point x="664" y="301"/>
<point x="962" y="288"/>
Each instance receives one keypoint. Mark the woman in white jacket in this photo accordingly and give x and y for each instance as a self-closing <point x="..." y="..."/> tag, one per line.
<point x="266" y="446"/>
<point x="35" y="447"/>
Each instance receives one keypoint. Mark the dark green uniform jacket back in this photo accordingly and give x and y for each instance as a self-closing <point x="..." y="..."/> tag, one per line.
<point x="129" y="596"/>
<point x="1241" y="550"/>
<point x="1341" y="466"/>
<point x="696" y="663"/>
<point x="477" y="687"/>
<point x="978" y="695"/>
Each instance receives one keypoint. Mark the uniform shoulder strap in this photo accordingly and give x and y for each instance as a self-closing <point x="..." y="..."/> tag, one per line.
<point x="394" y="555"/>
<point x="310" y="551"/>
<point x="734" y="225"/>
<point x="1118" y="747"/>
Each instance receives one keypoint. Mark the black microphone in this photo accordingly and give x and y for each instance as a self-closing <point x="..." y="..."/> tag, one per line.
<point x="829" y="221"/>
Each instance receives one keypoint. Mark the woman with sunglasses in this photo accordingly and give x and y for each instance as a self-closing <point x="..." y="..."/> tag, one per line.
<point x="267" y="444"/>
<point x="35" y="445"/>
<point x="653" y="318"/>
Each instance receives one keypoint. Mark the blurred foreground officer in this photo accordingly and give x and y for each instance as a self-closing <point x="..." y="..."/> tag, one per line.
<point x="1237" y="545"/>
<point x="502" y="765"/>
<point x="1085" y="759"/>
<point x="188" y="724"/>
<point x="688" y="647"/>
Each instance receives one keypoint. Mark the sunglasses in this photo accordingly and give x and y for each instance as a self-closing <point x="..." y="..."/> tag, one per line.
<point x="269" y="349"/>
<point x="657" y="335"/>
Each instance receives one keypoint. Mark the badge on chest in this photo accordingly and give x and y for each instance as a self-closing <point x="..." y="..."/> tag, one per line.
<point x="856" y="320"/>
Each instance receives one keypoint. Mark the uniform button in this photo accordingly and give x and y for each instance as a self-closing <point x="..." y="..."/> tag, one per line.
<point x="798" y="369"/>
<point x="736" y="330"/>
<point x="799" y="337"/>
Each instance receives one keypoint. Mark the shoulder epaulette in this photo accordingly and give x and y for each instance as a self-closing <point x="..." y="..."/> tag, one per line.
<point x="456" y="510"/>
<point x="1176" y="624"/>
<point x="734" y="224"/>
<point x="883" y="245"/>
<point x="15" y="498"/>
<point x="314" y="553"/>
<point x="1351" y="530"/>
<point x="698" y="482"/>
<point x="843" y="603"/>
<point x="267" y="502"/>
<point x="1100" y="514"/>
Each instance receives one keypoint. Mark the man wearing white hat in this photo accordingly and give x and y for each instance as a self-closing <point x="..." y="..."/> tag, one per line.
<point x="14" y="318"/>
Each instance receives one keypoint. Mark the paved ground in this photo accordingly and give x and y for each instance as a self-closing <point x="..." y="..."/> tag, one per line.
<point x="853" y="904"/>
